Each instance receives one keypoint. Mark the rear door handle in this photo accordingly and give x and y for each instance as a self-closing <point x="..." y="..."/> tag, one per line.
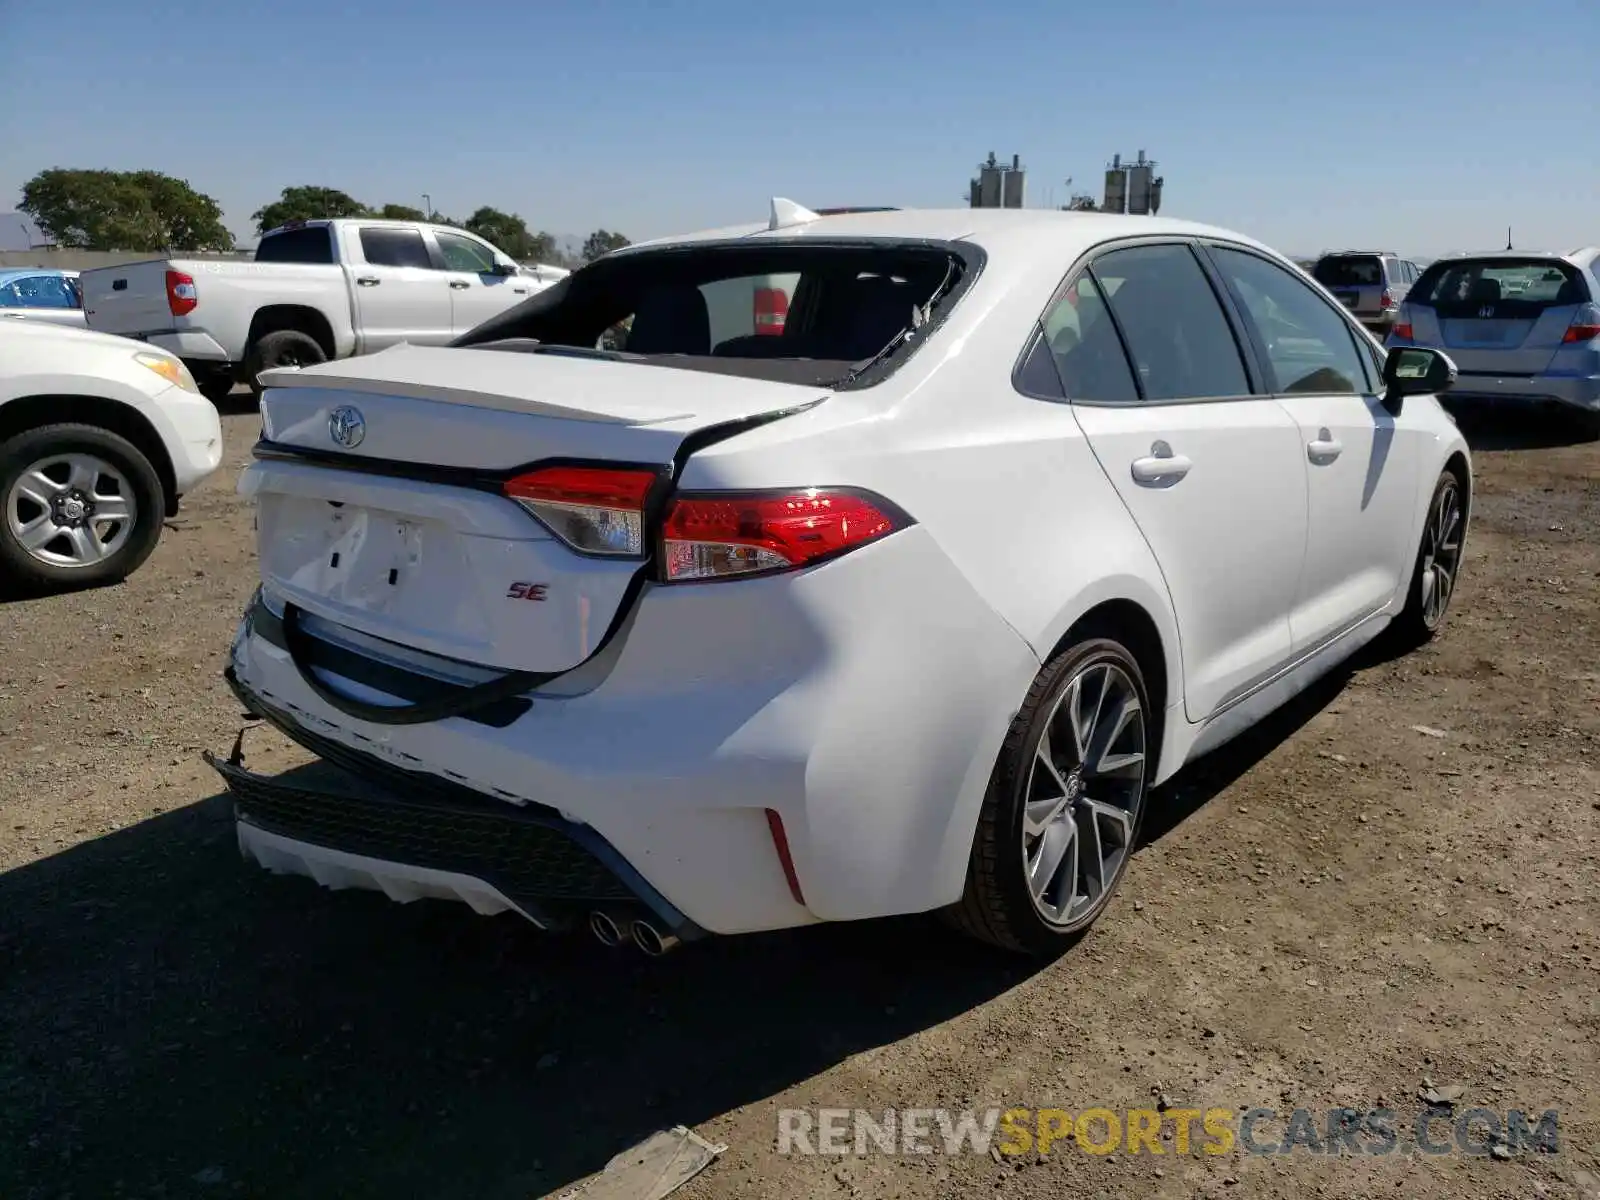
<point x="1324" y="448"/>
<point x="369" y="281"/>
<point x="1162" y="468"/>
<point x="460" y="284"/>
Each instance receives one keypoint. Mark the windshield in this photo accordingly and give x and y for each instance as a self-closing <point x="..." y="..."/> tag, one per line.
<point x="1474" y="283"/>
<point x="1348" y="270"/>
<point x="813" y="313"/>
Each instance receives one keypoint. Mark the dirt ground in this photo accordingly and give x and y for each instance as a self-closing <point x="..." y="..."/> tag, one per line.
<point x="1394" y="882"/>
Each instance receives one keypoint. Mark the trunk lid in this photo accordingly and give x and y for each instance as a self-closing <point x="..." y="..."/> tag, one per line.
<point x="1505" y="338"/>
<point x="405" y="536"/>
<point x="128" y="299"/>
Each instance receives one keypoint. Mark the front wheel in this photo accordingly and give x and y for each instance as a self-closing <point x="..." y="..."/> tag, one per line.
<point x="79" y="507"/>
<point x="1065" y="803"/>
<point x="1437" y="570"/>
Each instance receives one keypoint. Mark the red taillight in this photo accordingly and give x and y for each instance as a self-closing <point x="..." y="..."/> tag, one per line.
<point x="771" y="310"/>
<point x="597" y="510"/>
<point x="1581" y="333"/>
<point x="1403" y="331"/>
<point x="181" y="294"/>
<point x="1387" y="299"/>
<point x="718" y="536"/>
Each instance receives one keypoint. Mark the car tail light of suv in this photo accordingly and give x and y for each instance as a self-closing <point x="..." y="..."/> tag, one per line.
<point x="1585" y="326"/>
<point x="704" y="535"/>
<point x="1386" y="300"/>
<point x="181" y="294"/>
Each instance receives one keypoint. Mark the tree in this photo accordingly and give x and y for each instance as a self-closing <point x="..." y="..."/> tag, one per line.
<point x="602" y="242"/>
<point x="123" y="210"/>
<point x="510" y="232"/>
<point x="401" y="212"/>
<point x="308" y="204"/>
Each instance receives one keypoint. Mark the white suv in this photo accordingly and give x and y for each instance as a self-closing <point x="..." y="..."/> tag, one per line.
<point x="905" y="608"/>
<point x="100" y="437"/>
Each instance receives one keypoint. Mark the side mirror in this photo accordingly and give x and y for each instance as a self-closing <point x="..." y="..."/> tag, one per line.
<point x="504" y="268"/>
<point x="1414" y="371"/>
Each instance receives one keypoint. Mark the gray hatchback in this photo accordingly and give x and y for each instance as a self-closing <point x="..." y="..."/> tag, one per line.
<point x="1372" y="284"/>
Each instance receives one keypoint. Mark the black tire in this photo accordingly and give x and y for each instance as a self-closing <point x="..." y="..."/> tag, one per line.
<point x="283" y="348"/>
<point x="997" y="905"/>
<point x="215" y="382"/>
<point x="1416" y="624"/>
<point x="23" y="450"/>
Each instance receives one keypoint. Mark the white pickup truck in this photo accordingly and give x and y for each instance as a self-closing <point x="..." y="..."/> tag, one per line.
<point x="317" y="290"/>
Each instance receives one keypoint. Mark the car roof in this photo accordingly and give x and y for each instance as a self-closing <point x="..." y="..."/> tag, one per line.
<point x="1581" y="257"/>
<point x="1054" y="235"/>
<point x="9" y="273"/>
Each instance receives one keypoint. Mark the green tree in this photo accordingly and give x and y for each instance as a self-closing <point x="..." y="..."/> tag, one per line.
<point x="401" y="212"/>
<point x="602" y="242"/>
<point x="308" y="204"/>
<point x="123" y="210"/>
<point x="510" y="232"/>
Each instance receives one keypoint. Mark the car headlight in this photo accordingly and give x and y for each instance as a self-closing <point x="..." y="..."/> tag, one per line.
<point x="169" y="368"/>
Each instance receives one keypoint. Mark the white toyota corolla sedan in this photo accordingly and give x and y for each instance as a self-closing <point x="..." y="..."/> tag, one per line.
<point x="904" y="609"/>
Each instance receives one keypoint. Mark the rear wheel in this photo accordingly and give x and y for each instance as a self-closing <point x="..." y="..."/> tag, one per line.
<point x="1064" y="806"/>
<point x="282" y="348"/>
<point x="79" y="507"/>
<point x="1437" y="570"/>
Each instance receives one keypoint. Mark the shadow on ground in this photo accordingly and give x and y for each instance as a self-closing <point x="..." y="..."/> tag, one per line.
<point x="174" y="1023"/>
<point x="1508" y="427"/>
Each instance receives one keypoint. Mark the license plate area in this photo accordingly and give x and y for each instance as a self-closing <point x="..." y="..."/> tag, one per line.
<point x="522" y="603"/>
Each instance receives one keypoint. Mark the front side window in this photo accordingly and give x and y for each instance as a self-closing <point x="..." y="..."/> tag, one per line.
<point x="1309" y="346"/>
<point x="464" y="254"/>
<point x="395" y="248"/>
<point x="1177" y="334"/>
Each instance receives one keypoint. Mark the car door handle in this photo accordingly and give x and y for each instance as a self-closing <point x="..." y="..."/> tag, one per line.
<point x="1324" y="448"/>
<point x="1162" y="467"/>
<point x="460" y="285"/>
<point x="520" y="291"/>
<point x="369" y="281"/>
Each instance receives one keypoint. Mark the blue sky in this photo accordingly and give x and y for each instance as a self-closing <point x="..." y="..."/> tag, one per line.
<point x="1426" y="126"/>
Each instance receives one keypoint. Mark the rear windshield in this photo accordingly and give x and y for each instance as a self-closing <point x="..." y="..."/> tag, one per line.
<point x="1348" y="270"/>
<point x="1511" y="283"/>
<point x="805" y="313"/>
<point x="309" y="245"/>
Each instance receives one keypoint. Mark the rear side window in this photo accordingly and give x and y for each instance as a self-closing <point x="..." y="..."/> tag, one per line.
<point x="1088" y="353"/>
<point x="1348" y="270"/>
<point x="1518" y="284"/>
<point x="394" y="248"/>
<point x="1181" y="343"/>
<point x="313" y="244"/>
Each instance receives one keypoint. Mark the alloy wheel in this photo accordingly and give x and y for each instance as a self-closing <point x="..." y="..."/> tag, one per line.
<point x="1441" y="553"/>
<point x="71" y="510"/>
<point x="1084" y="790"/>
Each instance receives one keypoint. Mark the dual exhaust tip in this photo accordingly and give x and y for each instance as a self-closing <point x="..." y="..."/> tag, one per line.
<point x="609" y="931"/>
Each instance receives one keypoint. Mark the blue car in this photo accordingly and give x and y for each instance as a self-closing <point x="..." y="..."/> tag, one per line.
<point x="41" y="294"/>
<point x="1521" y="327"/>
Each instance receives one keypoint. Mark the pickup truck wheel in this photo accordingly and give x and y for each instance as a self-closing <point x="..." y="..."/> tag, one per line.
<point x="79" y="507"/>
<point x="284" y="348"/>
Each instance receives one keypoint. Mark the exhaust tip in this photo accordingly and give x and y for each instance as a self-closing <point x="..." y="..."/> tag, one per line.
<point x="651" y="940"/>
<point x="606" y="931"/>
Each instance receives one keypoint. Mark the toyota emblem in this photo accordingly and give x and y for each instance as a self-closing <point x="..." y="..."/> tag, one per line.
<point x="347" y="427"/>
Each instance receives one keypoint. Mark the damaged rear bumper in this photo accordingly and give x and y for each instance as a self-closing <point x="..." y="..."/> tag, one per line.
<point x="351" y="820"/>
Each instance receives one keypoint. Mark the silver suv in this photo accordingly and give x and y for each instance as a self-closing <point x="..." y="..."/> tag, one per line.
<point x="1370" y="283"/>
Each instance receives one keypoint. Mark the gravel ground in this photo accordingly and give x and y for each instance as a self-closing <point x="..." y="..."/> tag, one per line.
<point x="1395" y="881"/>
